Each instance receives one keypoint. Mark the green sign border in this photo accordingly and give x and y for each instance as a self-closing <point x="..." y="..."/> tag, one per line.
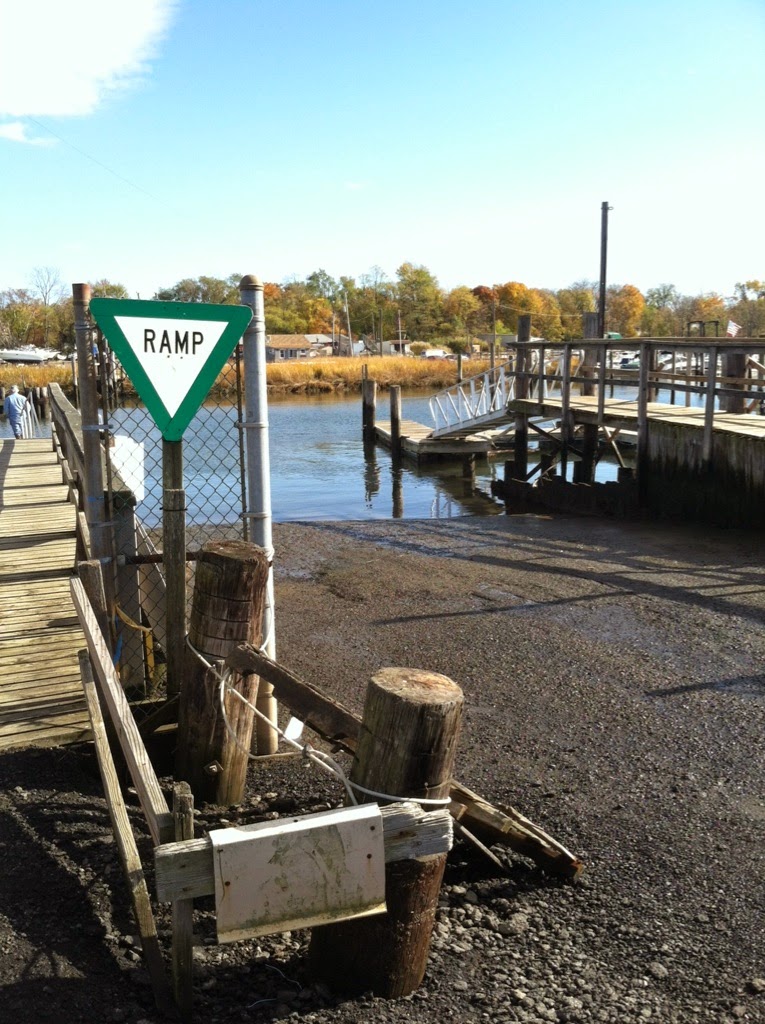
<point x="105" y="312"/>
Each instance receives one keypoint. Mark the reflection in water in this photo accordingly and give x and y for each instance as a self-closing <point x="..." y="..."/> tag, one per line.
<point x="319" y="468"/>
<point x="398" y="493"/>
<point x="371" y="474"/>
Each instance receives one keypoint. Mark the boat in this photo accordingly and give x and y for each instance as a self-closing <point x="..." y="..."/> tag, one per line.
<point x="28" y="354"/>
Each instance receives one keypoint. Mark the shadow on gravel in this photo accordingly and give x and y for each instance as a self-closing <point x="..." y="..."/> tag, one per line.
<point x="709" y="582"/>
<point x="56" y="851"/>
<point x="744" y="686"/>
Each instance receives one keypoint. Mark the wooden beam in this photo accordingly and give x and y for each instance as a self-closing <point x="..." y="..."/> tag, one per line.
<point x="340" y="726"/>
<point x="126" y="845"/>
<point x="153" y="803"/>
<point x="184" y="870"/>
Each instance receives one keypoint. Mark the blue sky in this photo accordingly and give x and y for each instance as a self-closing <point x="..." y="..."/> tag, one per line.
<point x="146" y="141"/>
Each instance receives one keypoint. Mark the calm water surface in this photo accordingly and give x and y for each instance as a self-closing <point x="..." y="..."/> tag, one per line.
<point x="318" y="467"/>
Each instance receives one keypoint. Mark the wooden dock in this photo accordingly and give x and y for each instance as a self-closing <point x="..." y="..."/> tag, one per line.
<point x="618" y="412"/>
<point x="417" y="441"/>
<point x="41" y="697"/>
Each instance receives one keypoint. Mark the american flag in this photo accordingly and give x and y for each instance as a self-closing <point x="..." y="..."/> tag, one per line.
<point x="732" y="329"/>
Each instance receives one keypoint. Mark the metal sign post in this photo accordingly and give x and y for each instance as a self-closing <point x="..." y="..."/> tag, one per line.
<point x="172" y="352"/>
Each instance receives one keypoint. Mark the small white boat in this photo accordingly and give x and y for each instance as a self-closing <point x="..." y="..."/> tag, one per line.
<point x="28" y="354"/>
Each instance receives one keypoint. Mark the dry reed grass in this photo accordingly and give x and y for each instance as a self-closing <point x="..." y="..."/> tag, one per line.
<point x="296" y="376"/>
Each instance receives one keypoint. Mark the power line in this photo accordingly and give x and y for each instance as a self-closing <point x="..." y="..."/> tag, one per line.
<point x="99" y="163"/>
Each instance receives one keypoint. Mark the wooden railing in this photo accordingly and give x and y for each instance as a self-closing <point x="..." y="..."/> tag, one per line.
<point x="722" y="374"/>
<point x="67" y="442"/>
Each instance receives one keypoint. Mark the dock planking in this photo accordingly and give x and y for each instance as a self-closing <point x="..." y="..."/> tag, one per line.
<point x="41" y="698"/>
<point x="417" y="441"/>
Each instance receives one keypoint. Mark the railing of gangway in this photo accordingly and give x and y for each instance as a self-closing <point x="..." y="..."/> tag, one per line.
<point x="471" y="399"/>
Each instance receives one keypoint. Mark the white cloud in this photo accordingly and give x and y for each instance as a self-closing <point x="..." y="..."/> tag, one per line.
<point x="62" y="59"/>
<point x="16" y="131"/>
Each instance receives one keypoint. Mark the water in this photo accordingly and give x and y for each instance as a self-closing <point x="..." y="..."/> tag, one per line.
<point x="318" y="467"/>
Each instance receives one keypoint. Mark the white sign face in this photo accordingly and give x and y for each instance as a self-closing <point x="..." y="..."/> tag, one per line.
<point x="298" y="872"/>
<point x="171" y="352"/>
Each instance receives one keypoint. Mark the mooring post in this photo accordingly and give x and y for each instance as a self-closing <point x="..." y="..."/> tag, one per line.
<point x="395" y="421"/>
<point x="520" y="464"/>
<point x="584" y="470"/>
<point x="227" y="609"/>
<point x="368" y="408"/>
<point x="407" y="746"/>
<point x="734" y="368"/>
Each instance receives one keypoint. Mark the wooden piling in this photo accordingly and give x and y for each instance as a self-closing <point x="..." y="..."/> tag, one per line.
<point x="368" y="408"/>
<point x="227" y="609"/>
<point x="395" y="420"/>
<point x="519" y="467"/>
<point x="406" y="748"/>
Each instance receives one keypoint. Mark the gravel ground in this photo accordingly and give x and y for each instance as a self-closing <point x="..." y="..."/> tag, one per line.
<point x="615" y="693"/>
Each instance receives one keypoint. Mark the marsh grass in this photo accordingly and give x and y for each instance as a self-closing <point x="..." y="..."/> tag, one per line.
<point x="296" y="376"/>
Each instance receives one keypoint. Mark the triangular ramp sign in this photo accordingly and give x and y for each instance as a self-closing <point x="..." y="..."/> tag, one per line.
<point x="172" y="351"/>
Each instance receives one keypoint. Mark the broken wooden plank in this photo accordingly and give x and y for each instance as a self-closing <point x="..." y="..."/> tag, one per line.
<point x="153" y="803"/>
<point x="337" y="724"/>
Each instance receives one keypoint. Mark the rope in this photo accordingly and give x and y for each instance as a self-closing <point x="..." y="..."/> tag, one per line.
<point x="147" y="638"/>
<point x="309" y="753"/>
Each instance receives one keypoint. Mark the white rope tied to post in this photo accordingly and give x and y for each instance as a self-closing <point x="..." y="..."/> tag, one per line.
<point x="309" y="753"/>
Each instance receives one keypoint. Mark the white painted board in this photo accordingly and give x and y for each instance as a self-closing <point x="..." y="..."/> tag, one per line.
<point x="298" y="872"/>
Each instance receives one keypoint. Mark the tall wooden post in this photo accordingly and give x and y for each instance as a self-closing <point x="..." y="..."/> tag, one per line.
<point x="734" y="365"/>
<point x="369" y="406"/>
<point x="519" y="467"/>
<point x="395" y="421"/>
<point x="584" y="471"/>
<point x="406" y="748"/>
<point x="227" y="609"/>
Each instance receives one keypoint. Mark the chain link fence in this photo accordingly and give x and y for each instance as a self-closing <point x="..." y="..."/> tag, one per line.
<point x="214" y="482"/>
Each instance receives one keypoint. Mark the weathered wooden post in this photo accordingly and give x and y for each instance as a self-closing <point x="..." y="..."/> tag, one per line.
<point x="368" y="409"/>
<point x="95" y="505"/>
<point x="734" y="367"/>
<point x="584" y="471"/>
<point x="519" y="467"/>
<point x="406" y="748"/>
<point x="227" y="609"/>
<point x="395" y="421"/>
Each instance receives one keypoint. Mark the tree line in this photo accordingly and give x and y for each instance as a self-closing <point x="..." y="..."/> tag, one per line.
<point x="412" y="306"/>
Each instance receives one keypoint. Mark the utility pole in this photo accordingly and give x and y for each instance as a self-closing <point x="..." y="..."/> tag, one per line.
<point x="604" y="208"/>
<point x="493" y="353"/>
<point x="348" y="321"/>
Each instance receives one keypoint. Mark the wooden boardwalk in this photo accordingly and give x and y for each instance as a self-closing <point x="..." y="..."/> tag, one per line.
<point x="41" y="697"/>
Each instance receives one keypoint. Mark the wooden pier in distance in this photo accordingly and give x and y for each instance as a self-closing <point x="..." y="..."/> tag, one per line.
<point x="41" y="698"/>
<point x="418" y="443"/>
